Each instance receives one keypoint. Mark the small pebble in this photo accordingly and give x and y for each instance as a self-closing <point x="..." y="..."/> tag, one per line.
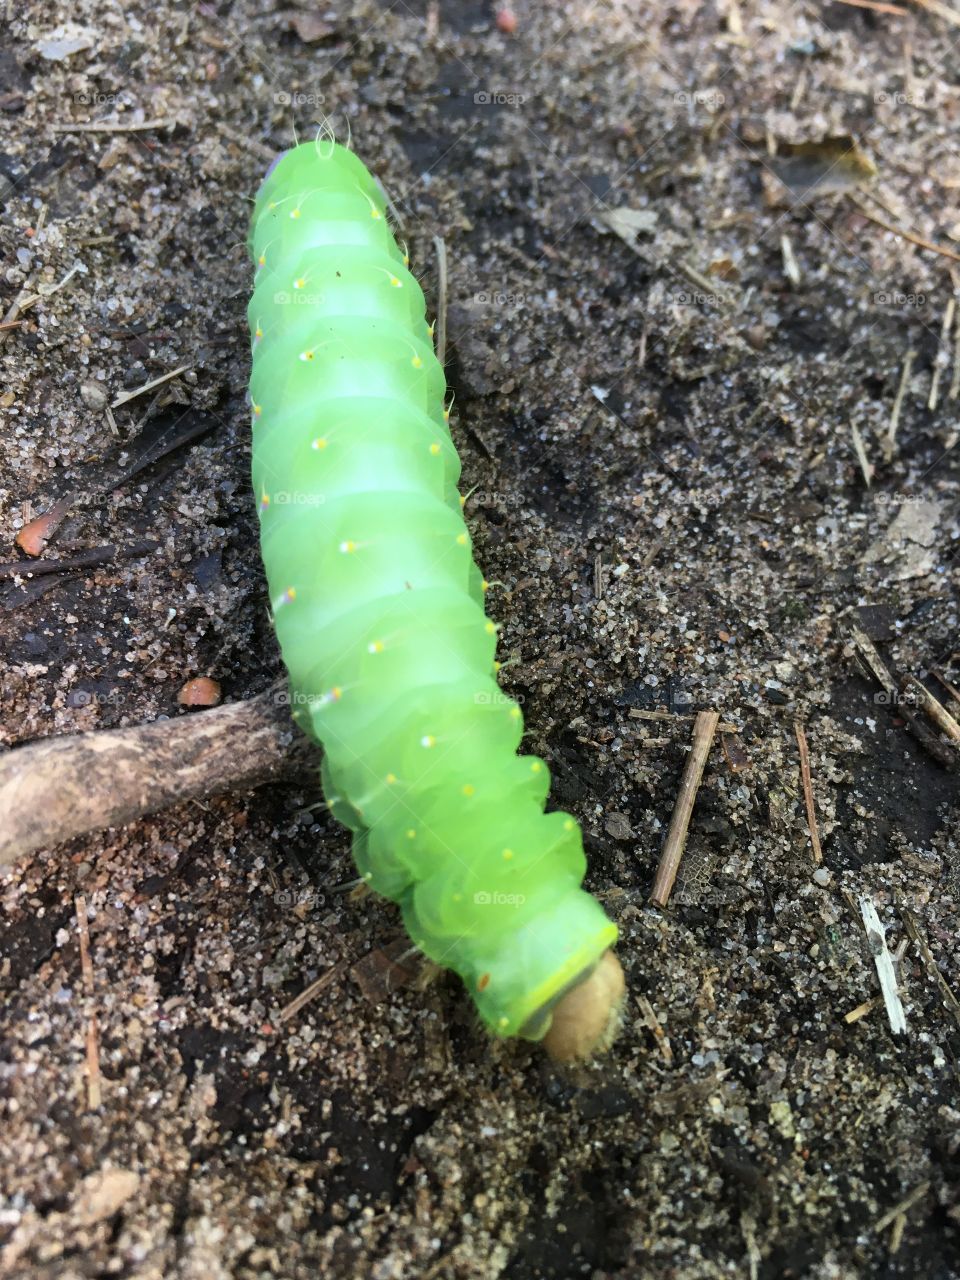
<point x="199" y="692"/>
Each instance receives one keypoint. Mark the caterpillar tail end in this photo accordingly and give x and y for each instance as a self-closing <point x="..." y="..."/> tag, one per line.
<point x="585" y="1020"/>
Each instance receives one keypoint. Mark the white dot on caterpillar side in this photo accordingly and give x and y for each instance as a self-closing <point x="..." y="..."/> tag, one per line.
<point x="428" y="740"/>
<point x="368" y="875"/>
<point x="508" y="855"/>
<point x="348" y="547"/>
<point x="319" y="443"/>
<point x="375" y="646"/>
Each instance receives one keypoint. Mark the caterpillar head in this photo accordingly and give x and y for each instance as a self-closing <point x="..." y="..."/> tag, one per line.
<point x="585" y="1018"/>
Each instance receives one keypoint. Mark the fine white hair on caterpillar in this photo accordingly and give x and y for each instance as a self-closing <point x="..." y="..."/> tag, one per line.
<point x="379" y="610"/>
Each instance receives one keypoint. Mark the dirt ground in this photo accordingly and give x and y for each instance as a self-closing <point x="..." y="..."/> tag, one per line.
<point x="669" y="423"/>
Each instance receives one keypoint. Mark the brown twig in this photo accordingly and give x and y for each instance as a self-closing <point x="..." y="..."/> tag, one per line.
<point x="919" y="241"/>
<point x="58" y="788"/>
<point x="866" y="650"/>
<point x="808" y="793"/>
<point x="94" y="1096"/>
<point x="936" y="711"/>
<point x="951" y="688"/>
<point x="84" y="560"/>
<point x="113" y="126"/>
<point x="126" y="396"/>
<point x="704" y="728"/>
<point x="893" y="9"/>
<point x="914" y="933"/>
<point x="305" y="996"/>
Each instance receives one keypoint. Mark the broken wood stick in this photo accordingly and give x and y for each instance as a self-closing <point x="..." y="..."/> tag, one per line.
<point x="935" y="710"/>
<point x="58" y="788"/>
<point x="808" y="799"/>
<point x="704" y="728"/>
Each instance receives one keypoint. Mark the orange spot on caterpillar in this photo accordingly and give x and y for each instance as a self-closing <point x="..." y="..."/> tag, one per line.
<point x="483" y="982"/>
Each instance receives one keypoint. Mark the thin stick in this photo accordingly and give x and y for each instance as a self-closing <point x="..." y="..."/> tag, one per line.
<point x="862" y="1010"/>
<point x="941" y="10"/>
<point x="906" y="235"/>
<point x="937" y="712"/>
<point x="305" y="996"/>
<point x="15" y="305"/>
<point x="704" y="728"/>
<point x="94" y="1095"/>
<point x="866" y="466"/>
<point x="903" y="1207"/>
<point x="894" y="701"/>
<point x="890" y="446"/>
<point x="893" y="9"/>
<point x="808" y="793"/>
<point x="84" y="560"/>
<point x="149" y="386"/>
<point x="653" y="1025"/>
<point x="440" y="245"/>
<point x="113" y="126"/>
<point x="952" y="689"/>
<point x="677" y="717"/>
<point x="916" y="936"/>
<point x="941" y="358"/>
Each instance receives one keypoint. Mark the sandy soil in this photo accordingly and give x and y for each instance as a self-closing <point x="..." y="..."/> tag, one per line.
<point x="661" y="427"/>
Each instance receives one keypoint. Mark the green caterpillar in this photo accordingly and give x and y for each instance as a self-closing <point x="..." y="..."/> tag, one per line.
<point x="379" y="606"/>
